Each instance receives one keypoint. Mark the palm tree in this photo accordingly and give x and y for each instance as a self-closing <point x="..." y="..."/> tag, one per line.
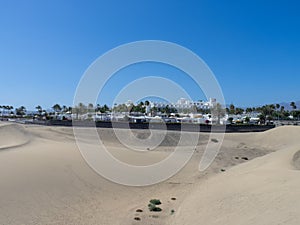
<point x="267" y="110"/>
<point x="249" y="110"/>
<point x="64" y="109"/>
<point x="272" y="108"/>
<point x="230" y="120"/>
<point x="21" y="111"/>
<point x="10" y="108"/>
<point x="277" y="107"/>
<point x="39" y="109"/>
<point x="98" y="107"/>
<point x="105" y="108"/>
<point x="227" y="110"/>
<point x="293" y="105"/>
<point x="262" y="119"/>
<point x="70" y="109"/>
<point x="247" y="119"/>
<point x="232" y="109"/>
<point x="239" y="111"/>
<point x="56" y="108"/>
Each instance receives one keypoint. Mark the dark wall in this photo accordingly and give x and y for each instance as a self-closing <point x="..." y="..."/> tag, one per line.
<point x="159" y="126"/>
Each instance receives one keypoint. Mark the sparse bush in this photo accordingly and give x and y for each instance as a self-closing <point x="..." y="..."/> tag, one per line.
<point x="155" y="201"/>
<point x="154" y="208"/>
<point x="214" y="140"/>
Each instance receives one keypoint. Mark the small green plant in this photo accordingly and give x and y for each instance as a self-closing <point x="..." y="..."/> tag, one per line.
<point x="153" y="205"/>
<point x="155" y="201"/>
<point x="154" y="208"/>
<point x="172" y="211"/>
<point x="214" y="140"/>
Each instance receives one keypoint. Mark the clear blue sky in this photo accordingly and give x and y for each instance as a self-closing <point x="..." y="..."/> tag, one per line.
<point x="253" y="47"/>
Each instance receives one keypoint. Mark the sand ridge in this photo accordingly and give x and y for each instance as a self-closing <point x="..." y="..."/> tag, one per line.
<point x="12" y="136"/>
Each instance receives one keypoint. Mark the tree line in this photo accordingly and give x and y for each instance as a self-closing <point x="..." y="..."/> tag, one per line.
<point x="267" y="112"/>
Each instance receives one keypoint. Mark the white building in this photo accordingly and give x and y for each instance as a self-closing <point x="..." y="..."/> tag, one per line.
<point x="183" y="103"/>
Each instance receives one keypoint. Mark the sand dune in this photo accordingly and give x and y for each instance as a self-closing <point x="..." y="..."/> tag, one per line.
<point x="47" y="181"/>
<point x="263" y="191"/>
<point x="13" y="135"/>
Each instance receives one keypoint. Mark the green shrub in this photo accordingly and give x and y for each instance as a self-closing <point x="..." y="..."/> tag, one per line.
<point x="214" y="140"/>
<point x="155" y="201"/>
<point x="154" y="208"/>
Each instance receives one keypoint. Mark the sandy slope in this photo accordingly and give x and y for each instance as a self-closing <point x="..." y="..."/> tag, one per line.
<point x="44" y="180"/>
<point x="263" y="191"/>
<point x="13" y="135"/>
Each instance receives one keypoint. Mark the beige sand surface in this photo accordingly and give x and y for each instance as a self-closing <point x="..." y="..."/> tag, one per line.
<point x="263" y="191"/>
<point x="44" y="180"/>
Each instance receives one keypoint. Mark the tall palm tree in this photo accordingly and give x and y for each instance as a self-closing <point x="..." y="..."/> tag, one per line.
<point x="232" y="109"/>
<point x="249" y="110"/>
<point x="64" y="109"/>
<point x="56" y="108"/>
<point x="21" y="111"/>
<point x="262" y="118"/>
<point x="105" y="108"/>
<point x="277" y="107"/>
<point x="293" y="105"/>
<point x="10" y="108"/>
<point x="39" y="109"/>
<point x="70" y="109"/>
